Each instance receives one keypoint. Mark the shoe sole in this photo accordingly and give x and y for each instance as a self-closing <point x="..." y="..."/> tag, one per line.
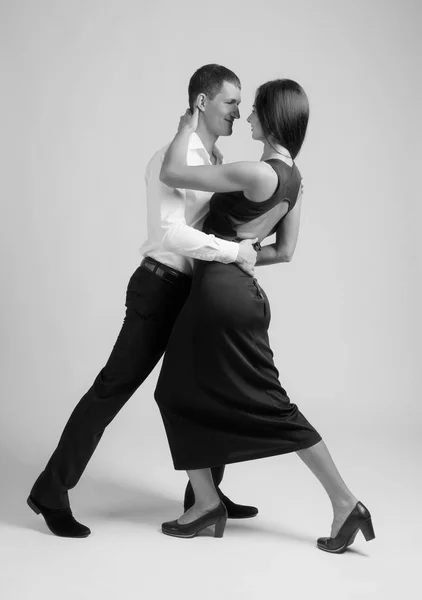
<point x="188" y="537"/>
<point x="71" y="537"/>
<point x="234" y="518"/>
<point x="183" y="537"/>
<point x="342" y="548"/>
<point x="338" y="551"/>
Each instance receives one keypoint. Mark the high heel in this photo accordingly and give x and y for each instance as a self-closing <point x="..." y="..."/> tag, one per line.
<point x="368" y="530"/>
<point x="358" y="520"/>
<point x="217" y="517"/>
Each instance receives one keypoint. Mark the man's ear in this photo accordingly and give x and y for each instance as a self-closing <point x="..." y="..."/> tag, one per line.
<point x="201" y="102"/>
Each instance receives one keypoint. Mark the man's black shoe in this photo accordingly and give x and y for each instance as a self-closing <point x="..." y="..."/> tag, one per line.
<point x="237" y="511"/>
<point x="234" y="511"/>
<point x="60" y="521"/>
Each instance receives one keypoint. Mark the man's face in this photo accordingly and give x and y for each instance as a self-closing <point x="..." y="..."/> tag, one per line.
<point x="220" y="112"/>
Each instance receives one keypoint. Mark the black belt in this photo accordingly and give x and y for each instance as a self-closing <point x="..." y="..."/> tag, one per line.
<point x="163" y="271"/>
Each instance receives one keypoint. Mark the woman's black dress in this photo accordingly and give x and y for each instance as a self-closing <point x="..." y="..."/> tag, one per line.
<point x="218" y="390"/>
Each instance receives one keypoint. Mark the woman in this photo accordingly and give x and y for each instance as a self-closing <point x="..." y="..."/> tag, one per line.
<point x="218" y="390"/>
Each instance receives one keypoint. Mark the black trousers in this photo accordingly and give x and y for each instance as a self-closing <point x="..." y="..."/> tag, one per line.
<point x="152" y="307"/>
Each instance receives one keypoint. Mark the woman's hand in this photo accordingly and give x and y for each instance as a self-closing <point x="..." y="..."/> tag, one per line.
<point x="175" y="158"/>
<point x="189" y="121"/>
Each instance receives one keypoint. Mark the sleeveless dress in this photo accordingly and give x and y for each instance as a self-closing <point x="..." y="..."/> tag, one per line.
<point x="218" y="390"/>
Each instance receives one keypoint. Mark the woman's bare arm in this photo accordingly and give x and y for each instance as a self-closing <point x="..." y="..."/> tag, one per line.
<point x="256" y="179"/>
<point x="286" y="238"/>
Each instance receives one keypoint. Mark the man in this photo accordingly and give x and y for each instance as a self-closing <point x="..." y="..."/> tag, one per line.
<point x="155" y="295"/>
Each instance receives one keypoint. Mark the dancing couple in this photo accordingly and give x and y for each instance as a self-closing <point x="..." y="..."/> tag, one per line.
<point x="196" y="298"/>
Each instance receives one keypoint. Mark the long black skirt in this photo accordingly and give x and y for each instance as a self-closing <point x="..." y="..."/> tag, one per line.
<point x="218" y="390"/>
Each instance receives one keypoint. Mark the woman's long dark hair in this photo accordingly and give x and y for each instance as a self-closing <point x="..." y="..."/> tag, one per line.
<point x="283" y="111"/>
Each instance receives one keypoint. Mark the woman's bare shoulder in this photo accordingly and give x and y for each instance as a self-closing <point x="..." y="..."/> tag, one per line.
<point x="265" y="182"/>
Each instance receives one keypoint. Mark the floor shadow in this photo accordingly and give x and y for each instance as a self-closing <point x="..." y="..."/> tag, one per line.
<point x="105" y="499"/>
<point x="252" y="528"/>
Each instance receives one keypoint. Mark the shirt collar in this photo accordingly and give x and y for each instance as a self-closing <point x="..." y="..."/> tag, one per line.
<point x="195" y="143"/>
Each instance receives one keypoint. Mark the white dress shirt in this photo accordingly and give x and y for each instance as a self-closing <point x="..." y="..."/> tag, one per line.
<point x="176" y="216"/>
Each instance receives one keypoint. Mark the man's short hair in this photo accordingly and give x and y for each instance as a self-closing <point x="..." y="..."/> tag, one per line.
<point x="209" y="80"/>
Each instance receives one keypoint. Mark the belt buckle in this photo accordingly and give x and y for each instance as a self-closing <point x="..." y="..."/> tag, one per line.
<point x="151" y="267"/>
<point x="166" y="273"/>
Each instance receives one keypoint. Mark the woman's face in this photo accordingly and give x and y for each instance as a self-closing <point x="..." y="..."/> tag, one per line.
<point x="257" y="133"/>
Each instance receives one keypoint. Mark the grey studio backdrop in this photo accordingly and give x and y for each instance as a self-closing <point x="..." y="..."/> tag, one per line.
<point x="90" y="91"/>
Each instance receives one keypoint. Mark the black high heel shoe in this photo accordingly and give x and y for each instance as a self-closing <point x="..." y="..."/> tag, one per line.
<point x="217" y="517"/>
<point x="358" y="519"/>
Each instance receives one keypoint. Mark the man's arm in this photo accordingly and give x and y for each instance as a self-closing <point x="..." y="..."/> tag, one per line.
<point x="286" y="238"/>
<point x="183" y="239"/>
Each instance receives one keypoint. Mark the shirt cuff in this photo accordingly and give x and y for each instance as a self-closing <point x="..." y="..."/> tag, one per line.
<point x="228" y="251"/>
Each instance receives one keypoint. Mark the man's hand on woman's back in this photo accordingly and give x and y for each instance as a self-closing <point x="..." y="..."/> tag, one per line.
<point x="246" y="258"/>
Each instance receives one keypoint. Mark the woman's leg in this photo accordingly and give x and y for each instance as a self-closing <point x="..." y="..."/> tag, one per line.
<point x="206" y="497"/>
<point x="319" y="461"/>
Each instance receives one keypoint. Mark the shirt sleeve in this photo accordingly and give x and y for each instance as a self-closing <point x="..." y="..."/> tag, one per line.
<point x="177" y="236"/>
<point x="186" y="240"/>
